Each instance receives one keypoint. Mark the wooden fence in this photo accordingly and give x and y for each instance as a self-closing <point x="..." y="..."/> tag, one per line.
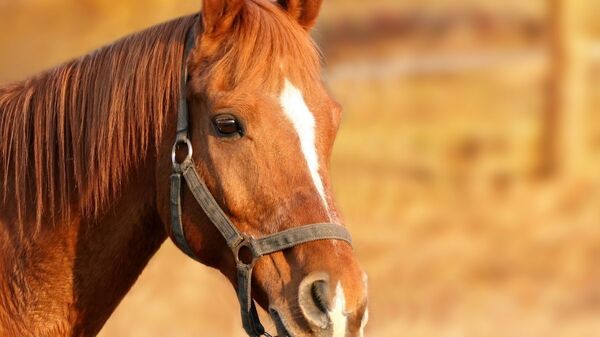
<point x="565" y="59"/>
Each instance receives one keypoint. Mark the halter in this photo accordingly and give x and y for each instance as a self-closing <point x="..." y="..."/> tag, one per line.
<point x="237" y="242"/>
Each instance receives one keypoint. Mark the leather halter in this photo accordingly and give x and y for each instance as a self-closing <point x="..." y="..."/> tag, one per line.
<point x="236" y="241"/>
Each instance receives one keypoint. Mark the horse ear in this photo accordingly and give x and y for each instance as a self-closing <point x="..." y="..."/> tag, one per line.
<point x="304" y="11"/>
<point x="218" y="15"/>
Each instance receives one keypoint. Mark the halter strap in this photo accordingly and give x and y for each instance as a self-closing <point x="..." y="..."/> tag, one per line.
<point x="236" y="241"/>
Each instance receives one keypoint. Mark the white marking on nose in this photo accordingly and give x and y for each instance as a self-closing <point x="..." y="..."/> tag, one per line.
<point x="339" y="319"/>
<point x="363" y="323"/>
<point x="295" y="108"/>
<point x="365" y="318"/>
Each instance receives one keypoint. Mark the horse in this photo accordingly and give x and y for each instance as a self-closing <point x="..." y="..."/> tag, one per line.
<point x="92" y="186"/>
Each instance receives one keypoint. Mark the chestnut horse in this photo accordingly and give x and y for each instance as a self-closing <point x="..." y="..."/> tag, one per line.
<point x="85" y="171"/>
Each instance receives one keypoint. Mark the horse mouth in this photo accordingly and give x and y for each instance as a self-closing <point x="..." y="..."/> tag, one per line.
<point x="282" y="330"/>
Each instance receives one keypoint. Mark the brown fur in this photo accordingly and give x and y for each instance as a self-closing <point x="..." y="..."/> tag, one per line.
<point x="84" y="167"/>
<point x="305" y="12"/>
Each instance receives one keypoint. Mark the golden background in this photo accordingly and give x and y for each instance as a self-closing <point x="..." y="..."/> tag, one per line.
<point x="467" y="166"/>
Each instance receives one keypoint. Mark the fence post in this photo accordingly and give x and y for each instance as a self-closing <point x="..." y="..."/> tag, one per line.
<point x="564" y="132"/>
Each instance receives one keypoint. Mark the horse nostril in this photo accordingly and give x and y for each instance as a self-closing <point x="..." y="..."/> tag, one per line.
<point x="314" y="300"/>
<point x="319" y="291"/>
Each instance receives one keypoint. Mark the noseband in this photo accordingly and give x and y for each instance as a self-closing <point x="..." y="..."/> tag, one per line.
<point x="237" y="242"/>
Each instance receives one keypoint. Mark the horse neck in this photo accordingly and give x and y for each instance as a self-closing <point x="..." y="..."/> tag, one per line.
<point x="70" y="278"/>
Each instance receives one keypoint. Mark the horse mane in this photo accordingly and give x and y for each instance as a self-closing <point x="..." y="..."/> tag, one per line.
<point x="69" y="136"/>
<point x="76" y="130"/>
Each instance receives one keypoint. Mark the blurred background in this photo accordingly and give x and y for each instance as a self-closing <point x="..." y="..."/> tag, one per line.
<point x="467" y="165"/>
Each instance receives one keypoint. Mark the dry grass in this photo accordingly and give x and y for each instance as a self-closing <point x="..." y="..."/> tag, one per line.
<point x="435" y="175"/>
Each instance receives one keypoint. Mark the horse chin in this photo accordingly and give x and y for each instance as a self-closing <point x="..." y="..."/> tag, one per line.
<point x="282" y="330"/>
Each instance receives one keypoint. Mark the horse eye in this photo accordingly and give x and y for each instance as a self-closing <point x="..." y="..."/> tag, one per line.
<point x="227" y="126"/>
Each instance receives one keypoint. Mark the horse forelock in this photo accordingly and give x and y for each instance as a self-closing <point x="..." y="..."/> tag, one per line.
<point x="264" y="46"/>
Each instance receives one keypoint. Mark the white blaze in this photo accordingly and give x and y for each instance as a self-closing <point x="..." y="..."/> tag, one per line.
<point x="296" y="110"/>
<point x="338" y="316"/>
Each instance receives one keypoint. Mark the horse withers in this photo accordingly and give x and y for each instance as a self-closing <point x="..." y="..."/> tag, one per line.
<point x="89" y="191"/>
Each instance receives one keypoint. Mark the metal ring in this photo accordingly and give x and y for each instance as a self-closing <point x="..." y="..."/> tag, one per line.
<point x="174" y="152"/>
<point x="247" y="243"/>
